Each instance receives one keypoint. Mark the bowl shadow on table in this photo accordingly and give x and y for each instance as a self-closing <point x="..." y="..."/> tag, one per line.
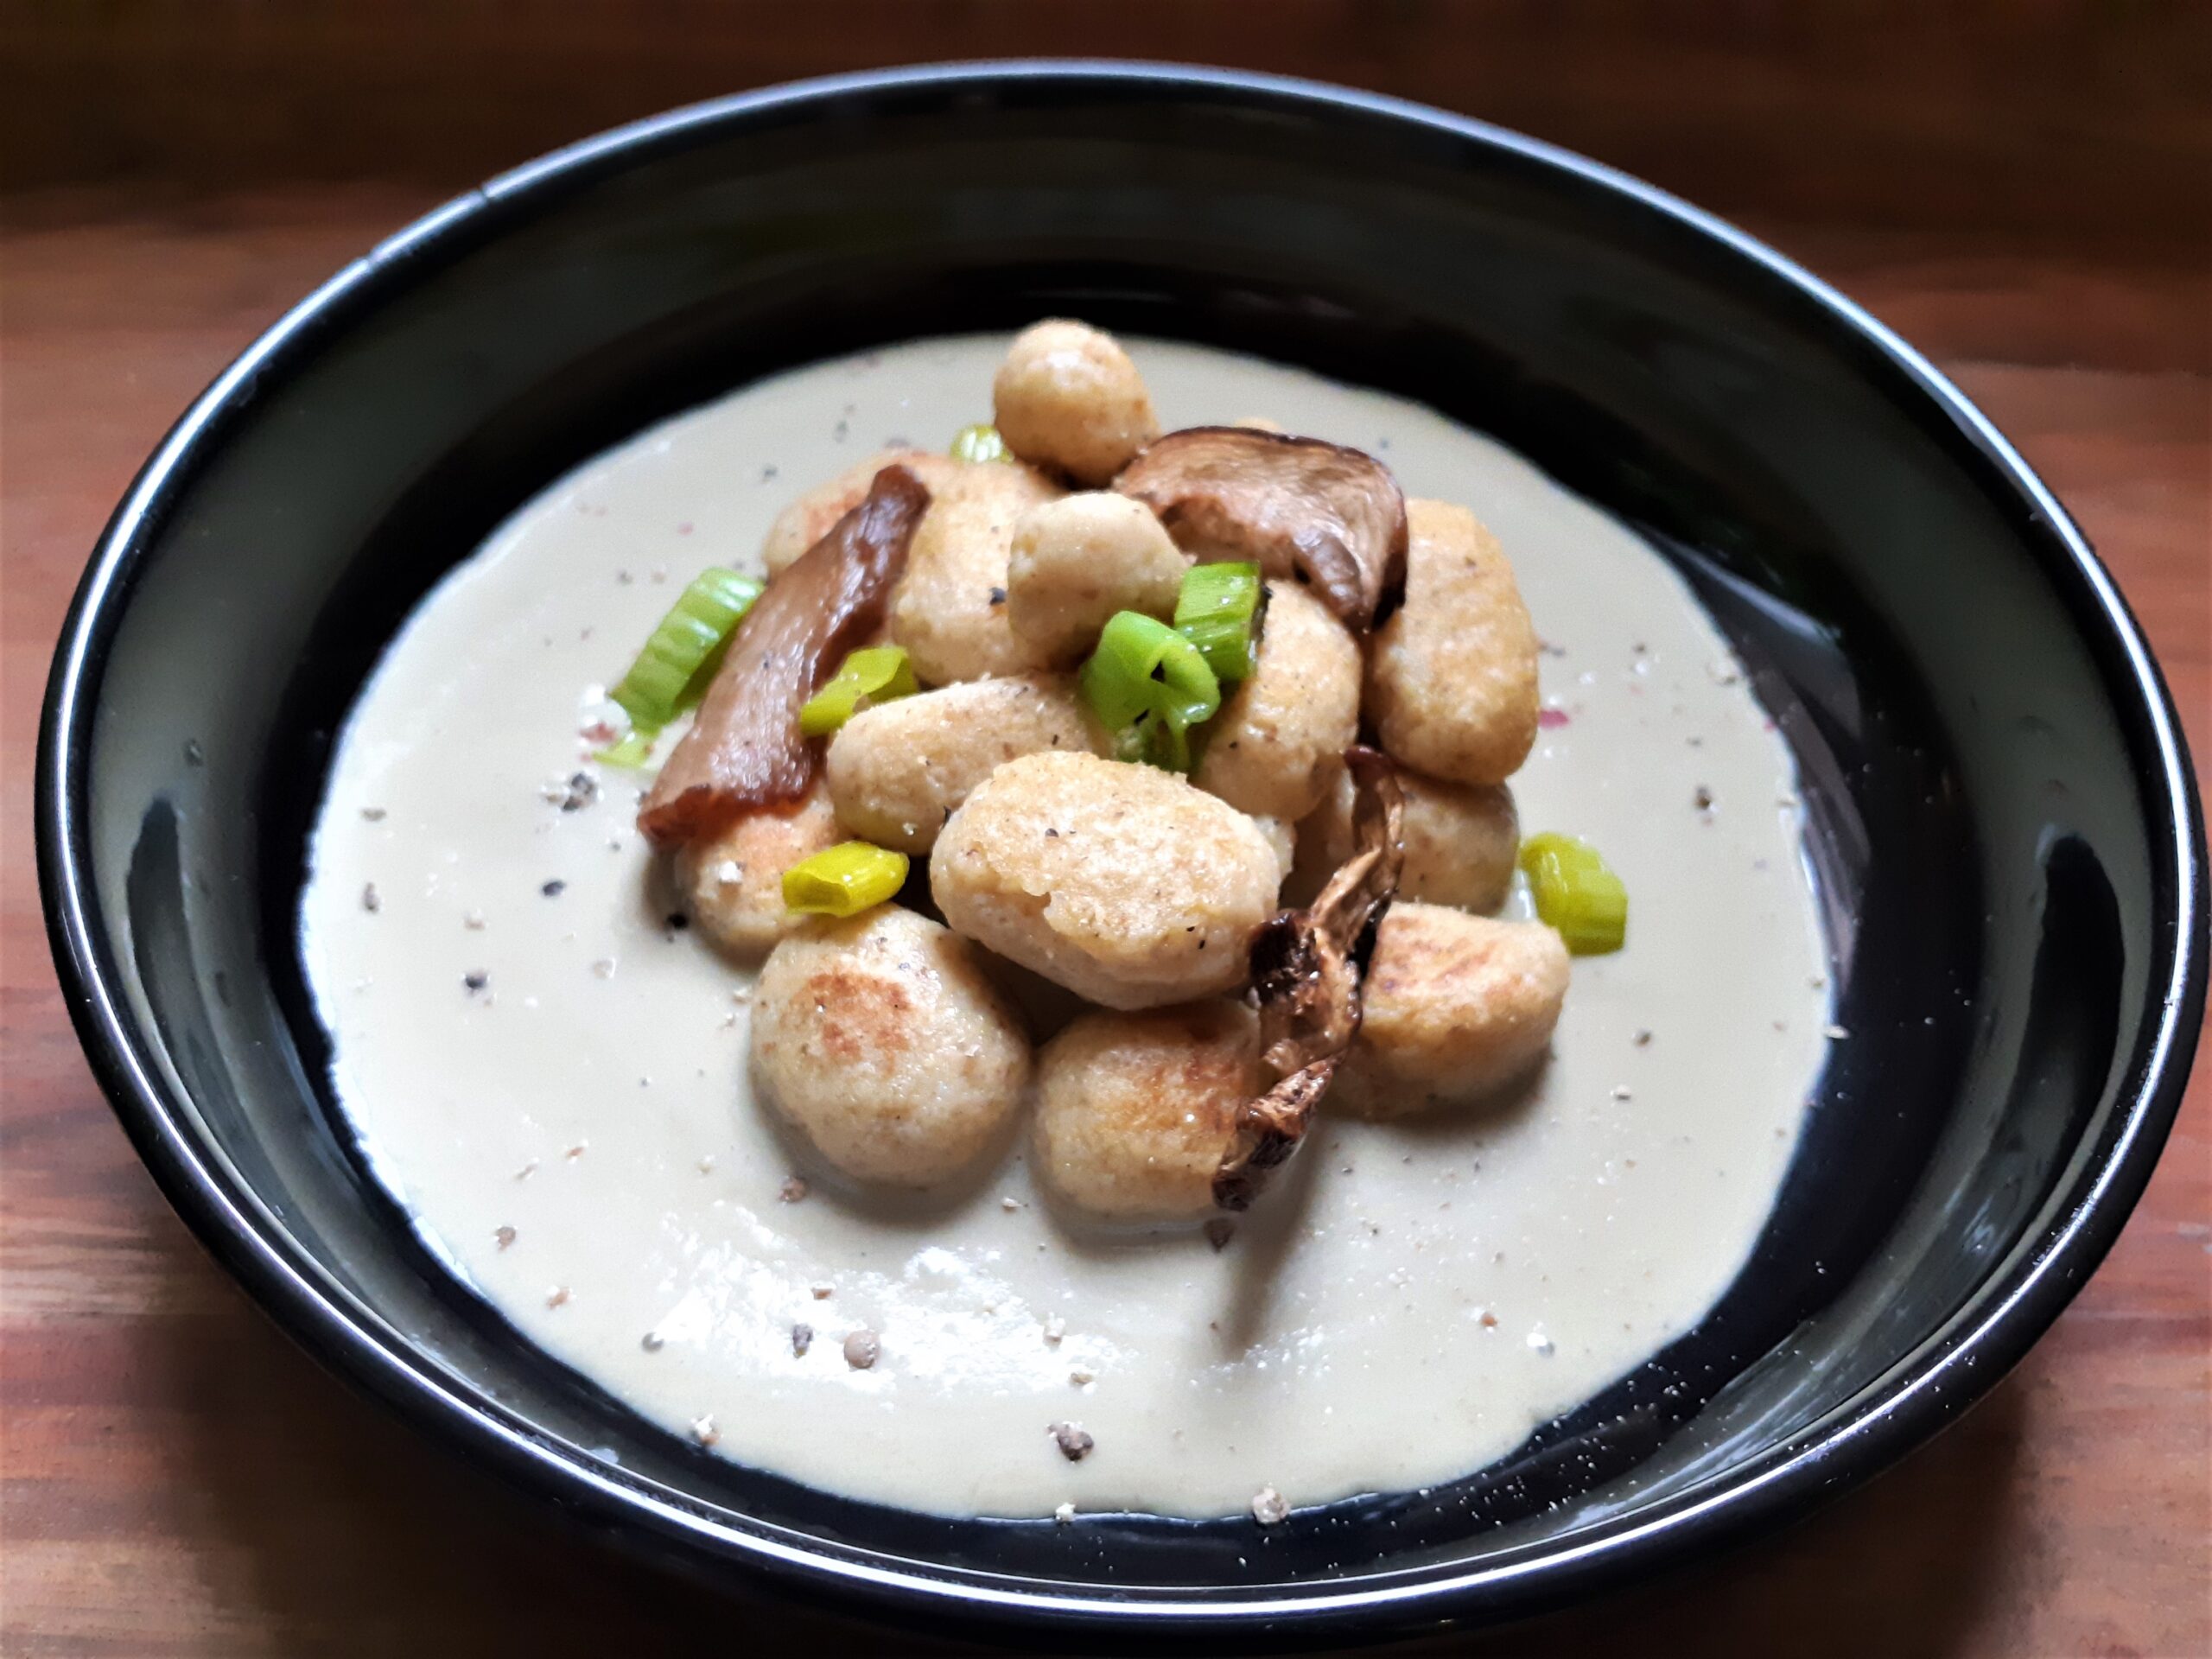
<point x="352" y="1536"/>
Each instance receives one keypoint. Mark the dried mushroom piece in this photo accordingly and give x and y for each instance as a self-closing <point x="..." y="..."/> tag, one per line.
<point x="1306" y="967"/>
<point x="1333" y="517"/>
<point x="746" y="750"/>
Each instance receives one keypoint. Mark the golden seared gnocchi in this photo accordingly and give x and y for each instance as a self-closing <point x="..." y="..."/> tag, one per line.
<point x="1134" y="1110"/>
<point x="880" y="1040"/>
<point x="732" y="884"/>
<point x="1271" y="748"/>
<point x="1121" y="883"/>
<point x="808" y="519"/>
<point x="1078" y="560"/>
<point x="1459" y="839"/>
<point x="1455" y="1007"/>
<point x="949" y="609"/>
<point x="897" y="770"/>
<point x="1068" y="399"/>
<point x="1283" y="836"/>
<point x="1452" y="678"/>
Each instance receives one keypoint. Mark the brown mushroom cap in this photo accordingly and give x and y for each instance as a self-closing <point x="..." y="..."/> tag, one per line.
<point x="745" y="749"/>
<point x="1330" y="516"/>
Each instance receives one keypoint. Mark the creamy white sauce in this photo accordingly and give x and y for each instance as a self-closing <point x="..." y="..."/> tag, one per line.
<point x="1408" y="1305"/>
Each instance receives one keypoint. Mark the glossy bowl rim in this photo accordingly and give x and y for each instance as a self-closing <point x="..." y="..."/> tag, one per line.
<point x="2012" y="1305"/>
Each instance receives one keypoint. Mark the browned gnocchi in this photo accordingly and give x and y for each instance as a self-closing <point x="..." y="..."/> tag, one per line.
<point x="950" y="608"/>
<point x="897" y="771"/>
<point x="1270" y="749"/>
<point x="1068" y="399"/>
<point x="1134" y="1110"/>
<point x="1078" y="560"/>
<point x="1120" y="882"/>
<point x="1451" y="677"/>
<point x="881" y="1042"/>
<point x="1456" y="1007"/>
<point x="1459" y="839"/>
<point x="732" y="884"/>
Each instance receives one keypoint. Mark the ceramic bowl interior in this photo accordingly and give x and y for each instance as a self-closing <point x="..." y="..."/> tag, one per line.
<point x="2002" y="822"/>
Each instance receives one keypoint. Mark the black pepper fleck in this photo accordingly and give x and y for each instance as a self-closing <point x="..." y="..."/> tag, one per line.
<point x="802" y="1339"/>
<point x="582" y="791"/>
<point x="998" y="595"/>
<point x="475" y="982"/>
<point x="1703" y="798"/>
<point x="553" y="889"/>
<point x="1075" y="1445"/>
<point x="678" y="921"/>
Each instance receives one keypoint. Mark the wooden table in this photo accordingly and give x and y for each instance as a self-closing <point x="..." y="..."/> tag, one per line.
<point x="174" y="1479"/>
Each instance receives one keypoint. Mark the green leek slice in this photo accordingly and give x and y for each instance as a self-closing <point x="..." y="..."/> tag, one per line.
<point x="1218" y="611"/>
<point x="844" y="880"/>
<point x="672" y="671"/>
<point x="632" y="751"/>
<point x="879" y="673"/>
<point x="1576" y="892"/>
<point x="1150" y="686"/>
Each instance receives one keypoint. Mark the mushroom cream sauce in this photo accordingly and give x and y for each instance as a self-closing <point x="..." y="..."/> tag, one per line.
<point x="551" y="1077"/>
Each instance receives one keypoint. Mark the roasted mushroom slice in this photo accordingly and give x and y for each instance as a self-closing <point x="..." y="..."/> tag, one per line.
<point x="1333" y="517"/>
<point x="1306" y="966"/>
<point x="745" y="749"/>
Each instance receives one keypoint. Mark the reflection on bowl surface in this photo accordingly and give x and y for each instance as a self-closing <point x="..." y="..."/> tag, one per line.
<point x="2003" y="823"/>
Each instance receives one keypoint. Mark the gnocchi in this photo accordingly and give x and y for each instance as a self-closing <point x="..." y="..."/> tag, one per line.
<point x="1459" y="839"/>
<point x="1269" y="750"/>
<point x="1134" y="1110"/>
<point x="1121" y="883"/>
<point x="1068" y="398"/>
<point x="732" y="884"/>
<point x="950" y="608"/>
<point x="1078" y="560"/>
<point x="897" y="771"/>
<point x="1456" y="1008"/>
<point x="880" y="1040"/>
<point x="1451" y="678"/>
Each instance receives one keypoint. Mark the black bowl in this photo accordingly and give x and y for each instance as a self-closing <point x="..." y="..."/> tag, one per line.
<point x="2004" y="820"/>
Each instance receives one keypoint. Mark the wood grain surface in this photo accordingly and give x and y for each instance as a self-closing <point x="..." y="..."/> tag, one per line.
<point x="176" y="1480"/>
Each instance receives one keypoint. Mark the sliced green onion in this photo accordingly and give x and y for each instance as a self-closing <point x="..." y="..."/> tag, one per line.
<point x="879" y="673"/>
<point x="1150" y="685"/>
<point x="981" y="441"/>
<point x="632" y="750"/>
<point x="1576" y="892"/>
<point x="844" y="880"/>
<point x="672" y="671"/>
<point x="1218" y="611"/>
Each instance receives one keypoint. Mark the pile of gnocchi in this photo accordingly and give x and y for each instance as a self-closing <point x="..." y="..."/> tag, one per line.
<point x="1079" y="946"/>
